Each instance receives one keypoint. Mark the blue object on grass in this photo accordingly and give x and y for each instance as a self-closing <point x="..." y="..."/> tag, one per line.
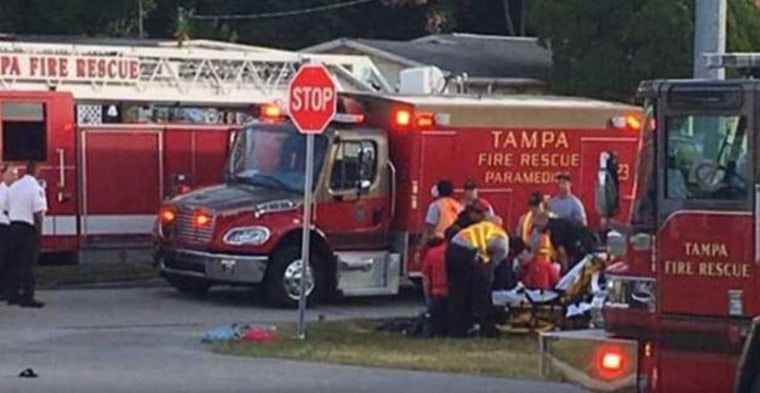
<point x="224" y="333"/>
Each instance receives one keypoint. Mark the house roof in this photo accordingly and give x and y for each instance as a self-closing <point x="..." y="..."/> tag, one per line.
<point x="480" y="56"/>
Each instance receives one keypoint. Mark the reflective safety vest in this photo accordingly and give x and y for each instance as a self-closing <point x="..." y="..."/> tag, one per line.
<point x="479" y="235"/>
<point x="449" y="209"/>
<point x="544" y="244"/>
<point x="526" y="228"/>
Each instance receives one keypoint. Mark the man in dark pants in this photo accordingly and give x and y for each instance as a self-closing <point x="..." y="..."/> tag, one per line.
<point x="26" y="206"/>
<point x="7" y="178"/>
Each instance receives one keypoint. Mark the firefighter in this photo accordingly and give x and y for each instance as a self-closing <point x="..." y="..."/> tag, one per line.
<point x="565" y="204"/>
<point x="471" y="257"/>
<point x="441" y="214"/>
<point x="7" y="178"/>
<point x="26" y="204"/>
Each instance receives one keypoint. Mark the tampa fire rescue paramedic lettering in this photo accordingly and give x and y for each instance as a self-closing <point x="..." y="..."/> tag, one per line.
<point x="470" y="262"/>
<point x="441" y="214"/>
<point x="26" y="205"/>
<point x="7" y="178"/>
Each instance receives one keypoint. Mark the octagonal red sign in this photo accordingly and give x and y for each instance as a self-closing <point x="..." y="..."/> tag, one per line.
<point x="312" y="99"/>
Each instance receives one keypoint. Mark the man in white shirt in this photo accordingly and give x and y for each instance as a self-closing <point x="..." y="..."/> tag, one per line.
<point x="7" y="176"/>
<point x="26" y="206"/>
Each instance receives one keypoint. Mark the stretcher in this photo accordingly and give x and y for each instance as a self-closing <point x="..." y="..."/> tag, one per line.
<point x="569" y="305"/>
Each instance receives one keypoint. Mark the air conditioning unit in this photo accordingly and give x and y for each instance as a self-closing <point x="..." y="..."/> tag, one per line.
<point x="422" y="80"/>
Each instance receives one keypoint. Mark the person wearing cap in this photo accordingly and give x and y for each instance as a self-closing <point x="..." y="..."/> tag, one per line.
<point x="471" y="196"/>
<point x="441" y="214"/>
<point x="565" y="204"/>
<point x="471" y="257"/>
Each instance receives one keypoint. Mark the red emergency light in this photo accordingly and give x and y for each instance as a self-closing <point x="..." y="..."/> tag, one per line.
<point x="201" y="219"/>
<point x="167" y="215"/>
<point x="610" y="361"/>
<point x="630" y="121"/>
<point x="404" y="118"/>
<point x="270" y="113"/>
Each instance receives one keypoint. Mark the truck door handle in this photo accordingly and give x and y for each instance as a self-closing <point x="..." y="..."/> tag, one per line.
<point x="377" y="215"/>
<point x="63" y="196"/>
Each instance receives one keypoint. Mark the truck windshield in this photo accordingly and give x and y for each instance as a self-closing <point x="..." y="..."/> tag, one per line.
<point x="273" y="158"/>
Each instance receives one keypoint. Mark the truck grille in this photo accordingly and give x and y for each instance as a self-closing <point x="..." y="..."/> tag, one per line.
<point x="187" y="230"/>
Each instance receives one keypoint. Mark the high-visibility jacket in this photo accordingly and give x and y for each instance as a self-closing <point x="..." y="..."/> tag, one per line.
<point x="481" y="236"/>
<point x="543" y="246"/>
<point x="449" y="209"/>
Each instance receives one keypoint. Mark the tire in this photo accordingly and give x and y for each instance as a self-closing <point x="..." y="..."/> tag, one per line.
<point x="189" y="285"/>
<point x="282" y="283"/>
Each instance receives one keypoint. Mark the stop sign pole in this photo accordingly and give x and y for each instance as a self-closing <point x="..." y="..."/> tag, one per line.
<point x="312" y="103"/>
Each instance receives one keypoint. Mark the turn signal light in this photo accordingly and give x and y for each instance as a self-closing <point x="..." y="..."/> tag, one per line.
<point x="167" y="215"/>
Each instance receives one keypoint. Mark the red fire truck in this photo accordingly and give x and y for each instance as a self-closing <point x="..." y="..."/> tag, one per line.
<point x="683" y="300"/>
<point x="115" y="121"/>
<point x="375" y="168"/>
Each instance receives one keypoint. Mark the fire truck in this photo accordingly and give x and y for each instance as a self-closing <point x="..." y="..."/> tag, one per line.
<point x="375" y="168"/>
<point x="682" y="306"/>
<point x="117" y="123"/>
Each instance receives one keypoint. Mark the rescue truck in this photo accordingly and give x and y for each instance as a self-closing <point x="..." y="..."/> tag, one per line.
<point x="117" y="124"/>
<point x="683" y="294"/>
<point x="375" y="168"/>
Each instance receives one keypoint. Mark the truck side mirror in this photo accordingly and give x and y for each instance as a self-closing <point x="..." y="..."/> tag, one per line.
<point x="607" y="190"/>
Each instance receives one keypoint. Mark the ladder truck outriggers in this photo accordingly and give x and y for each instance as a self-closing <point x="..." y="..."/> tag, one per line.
<point x="119" y="124"/>
<point x="683" y="292"/>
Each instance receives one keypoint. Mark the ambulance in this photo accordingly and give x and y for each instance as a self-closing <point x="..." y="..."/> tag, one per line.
<point x="375" y="167"/>
<point x="120" y="125"/>
<point x="682" y="312"/>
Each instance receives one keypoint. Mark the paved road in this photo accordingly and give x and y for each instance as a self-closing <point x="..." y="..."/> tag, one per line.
<point x="146" y="340"/>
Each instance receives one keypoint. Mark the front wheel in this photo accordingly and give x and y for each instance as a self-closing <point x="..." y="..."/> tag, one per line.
<point x="283" y="280"/>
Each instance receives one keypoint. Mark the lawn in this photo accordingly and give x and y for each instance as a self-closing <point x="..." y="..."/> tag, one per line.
<point x="58" y="276"/>
<point x="356" y="343"/>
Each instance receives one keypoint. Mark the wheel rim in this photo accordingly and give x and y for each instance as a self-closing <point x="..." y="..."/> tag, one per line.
<point x="291" y="280"/>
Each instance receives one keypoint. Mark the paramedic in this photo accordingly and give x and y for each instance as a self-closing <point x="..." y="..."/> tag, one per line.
<point x="26" y="205"/>
<point x="7" y="178"/>
<point x="471" y="196"/>
<point x="441" y="214"/>
<point x="470" y="259"/>
<point x="565" y="204"/>
<point x="435" y="285"/>
<point x="526" y="229"/>
<point x="568" y="238"/>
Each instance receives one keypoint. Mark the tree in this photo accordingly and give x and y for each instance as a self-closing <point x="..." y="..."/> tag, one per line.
<point x="604" y="48"/>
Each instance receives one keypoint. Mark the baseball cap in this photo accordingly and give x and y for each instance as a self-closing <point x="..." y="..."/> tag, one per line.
<point x="535" y="199"/>
<point x="564" y="176"/>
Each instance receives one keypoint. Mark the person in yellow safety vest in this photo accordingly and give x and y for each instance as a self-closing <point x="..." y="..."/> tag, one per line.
<point x="441" y="214"/>
<point x="471" y="258"/>
<point x="527" y="230"/>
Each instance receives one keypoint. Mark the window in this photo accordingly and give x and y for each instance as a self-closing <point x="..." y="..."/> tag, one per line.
<point x="24" y="131"/>
<point x="355" y="165"/>
<point x="706" y="158"/>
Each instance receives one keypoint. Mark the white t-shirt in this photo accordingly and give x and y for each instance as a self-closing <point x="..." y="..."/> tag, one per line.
<point x="25" y="198"/>
<point x="3" y="201"/>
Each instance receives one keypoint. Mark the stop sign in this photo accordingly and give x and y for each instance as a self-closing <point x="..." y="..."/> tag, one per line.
<point x="312" y="99"/>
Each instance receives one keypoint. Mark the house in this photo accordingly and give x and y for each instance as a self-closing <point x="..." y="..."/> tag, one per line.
<point x="492" y="64"/>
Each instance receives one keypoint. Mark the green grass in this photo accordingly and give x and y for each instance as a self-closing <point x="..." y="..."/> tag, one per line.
<point x="56" y="276"/>
<point x="356" y="343"/>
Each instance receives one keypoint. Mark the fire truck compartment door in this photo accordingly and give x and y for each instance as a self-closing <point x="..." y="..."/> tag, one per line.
<point x="368" y="273"/>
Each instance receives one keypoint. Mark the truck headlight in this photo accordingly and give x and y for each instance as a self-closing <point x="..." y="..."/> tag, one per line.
<point x="249" y="236"/>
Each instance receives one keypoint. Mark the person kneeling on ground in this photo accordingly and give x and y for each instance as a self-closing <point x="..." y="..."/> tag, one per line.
<point x="435" y="286"/>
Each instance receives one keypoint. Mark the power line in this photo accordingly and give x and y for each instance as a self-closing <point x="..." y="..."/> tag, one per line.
<point x="280" y="14"/>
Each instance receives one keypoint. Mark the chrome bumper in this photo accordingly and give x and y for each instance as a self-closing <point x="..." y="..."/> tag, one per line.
<point x="576" y="357"/>
<point x="213" y="267"/>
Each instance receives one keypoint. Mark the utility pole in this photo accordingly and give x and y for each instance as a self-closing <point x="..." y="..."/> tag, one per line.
<point x="140" y="18"/>
<point x="709" y="36"/>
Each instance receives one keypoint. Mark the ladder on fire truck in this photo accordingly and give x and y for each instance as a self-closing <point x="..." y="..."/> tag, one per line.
<point x="199" y="72"/>
<point x="746" y="63"/>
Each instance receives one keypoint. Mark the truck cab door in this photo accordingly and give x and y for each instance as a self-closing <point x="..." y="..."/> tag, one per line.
<point x="707" y="200"/>
<point x="354" y="212"/>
